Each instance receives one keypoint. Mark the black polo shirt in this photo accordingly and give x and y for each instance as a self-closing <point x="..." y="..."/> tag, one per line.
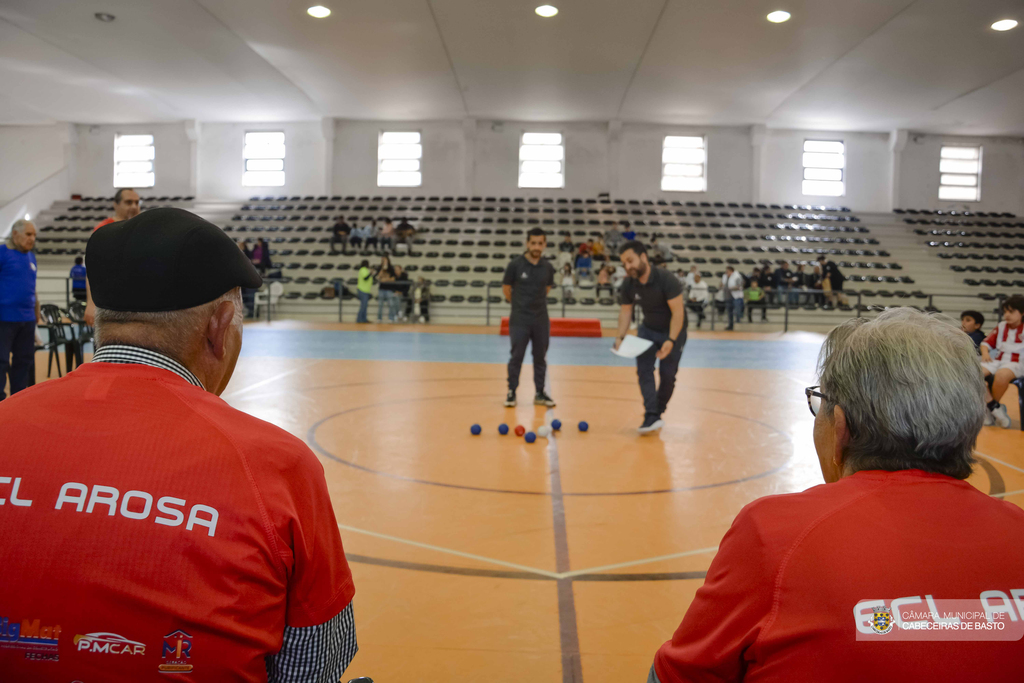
<point x="653" y="297"/>
<point x="529" y="289"/>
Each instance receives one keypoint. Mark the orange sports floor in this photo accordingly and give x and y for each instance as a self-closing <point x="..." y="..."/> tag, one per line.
<point x="488" y="559"/>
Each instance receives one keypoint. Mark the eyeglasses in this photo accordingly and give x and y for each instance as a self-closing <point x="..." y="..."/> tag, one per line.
<point x="814" y="399"/>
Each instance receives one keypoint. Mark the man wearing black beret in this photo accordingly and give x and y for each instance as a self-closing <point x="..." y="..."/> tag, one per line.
<point x="148" y="518"/>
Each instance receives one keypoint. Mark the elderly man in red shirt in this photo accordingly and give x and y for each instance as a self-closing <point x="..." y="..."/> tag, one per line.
<point x="896" y="569"/>
<point x="150" y="529"/>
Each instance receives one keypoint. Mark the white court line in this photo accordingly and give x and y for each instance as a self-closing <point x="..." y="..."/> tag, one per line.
<point x="270" y="379"/>
<point x="458" y="553"/>
<point x="607" y="567"/>
<point x="989" y="457"/>
<point x="1004" y="494"/>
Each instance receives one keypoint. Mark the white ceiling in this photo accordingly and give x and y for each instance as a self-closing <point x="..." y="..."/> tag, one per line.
<point x="927" y="65"/>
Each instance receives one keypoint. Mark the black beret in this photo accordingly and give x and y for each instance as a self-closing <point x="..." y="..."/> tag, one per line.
<point x="164" y="260"/>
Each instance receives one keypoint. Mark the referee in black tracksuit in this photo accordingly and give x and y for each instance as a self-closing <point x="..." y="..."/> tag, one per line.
<point x="659" y="294"/>
<point x="528" y="279"/>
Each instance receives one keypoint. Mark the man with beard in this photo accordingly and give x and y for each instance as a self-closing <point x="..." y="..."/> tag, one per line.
<point x="528" y="279"/>
<point x="659" y="294"/>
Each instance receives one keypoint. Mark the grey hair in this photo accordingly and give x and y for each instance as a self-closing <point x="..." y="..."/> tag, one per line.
<point x="19" y="225"/>
<point x="912" y="391"/>
<point x="168" y="332"/>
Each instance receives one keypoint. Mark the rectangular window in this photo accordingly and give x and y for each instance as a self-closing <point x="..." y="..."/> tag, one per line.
<point x="684" y="164"/>
<point x="960" y="174"/>
<point x="542" y="160"/>
<point x="133" y="161"/>
<point x="398" y="159"/>
<point x="824" y="168"/>
<point x="264" y="159"/>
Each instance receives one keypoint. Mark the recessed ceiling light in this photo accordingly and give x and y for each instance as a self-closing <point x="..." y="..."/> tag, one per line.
<point x="546" y="11"/>
<point x="1004" y="24"/>
<point x="104" y="17"/>
<point x="778" y="16"/>
<point x="318" y="11"/>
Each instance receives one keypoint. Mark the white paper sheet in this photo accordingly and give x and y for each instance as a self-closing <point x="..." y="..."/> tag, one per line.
<point x="632" y="346"/>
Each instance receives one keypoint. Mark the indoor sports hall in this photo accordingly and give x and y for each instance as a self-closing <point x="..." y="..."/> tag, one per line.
<point x="421" y="186"/>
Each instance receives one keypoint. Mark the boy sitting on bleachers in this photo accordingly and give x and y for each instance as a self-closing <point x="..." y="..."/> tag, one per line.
<point x="1002" y="357"/>
<point x="971" y="323"/>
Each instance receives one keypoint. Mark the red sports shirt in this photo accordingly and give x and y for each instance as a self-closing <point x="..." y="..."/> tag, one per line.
<point x="1006" y="343"/>
<point x="152" y="532"/>
<point x="779" y="600"/>
<point x="105" y="221"/>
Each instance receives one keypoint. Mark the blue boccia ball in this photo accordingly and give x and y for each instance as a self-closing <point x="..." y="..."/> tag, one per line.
<point x="530" y="437"/>
<point x="503" y="429"/>
<point x="475" y="429"/>
<point x="556" y="425"/>
<point x="584" y="426"/>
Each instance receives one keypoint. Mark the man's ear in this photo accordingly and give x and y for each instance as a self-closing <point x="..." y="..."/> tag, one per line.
<point x="842" y="437"/>
<point x="217" y="329"/>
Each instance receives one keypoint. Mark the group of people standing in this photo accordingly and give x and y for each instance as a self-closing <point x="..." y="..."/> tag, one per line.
<point x="395" y="291"/>
<point x="817" y="282"/>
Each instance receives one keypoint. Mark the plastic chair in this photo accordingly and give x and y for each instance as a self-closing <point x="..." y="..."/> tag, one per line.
<point x="268" y="298"/>
<point x="1019" y="383"/>
<point x="57" y="337"/>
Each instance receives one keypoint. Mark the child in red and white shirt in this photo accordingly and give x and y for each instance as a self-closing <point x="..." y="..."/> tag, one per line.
<point x="1002" y="356"/>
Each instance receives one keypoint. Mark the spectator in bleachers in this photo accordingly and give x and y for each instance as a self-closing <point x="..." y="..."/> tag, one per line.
<point x="832" y="280"/>
<point x="783" y="282"/>
<point x="567" y="280"/>
<point x="371" y="232"/>
<point x="604" y="281"/>
<point x="356" y="239"/>
<point x="754" y="297"/>
<point x="584" y="265"/>
<point x="660" y="253"/>
<point x="691" y="277"/>
<point x="340" y="233"/>
<point x="618" y="276"/>
<point x="78" y="279"/>
<point x="261" y="256"/>
<point x="971" y="323"/>
<point x="422" y="297"/>
<point x="387" y="236"/>
<point x="814" y="284"/>
<point x="403" y="299"/>
<point x="364" y="287"/>
<point x="19" y="306"/>
<point x="385" y="276"/>
<point x="243" y="246"/>
<point x="566" y="252"/>
<point x="628" y="234"/>
<point x="613" y="238"/>
<point x="800" y="278"/>
<point x="405" y="232"/>
<point x="766" y="279"/>
<point x="732" y="286"/>
<point x="1002" y="357"/>
<point x="799" y="577"/>
<point x="597" y="251"/>
<point x="697" y="297"/>
<point x="126" y="205"/>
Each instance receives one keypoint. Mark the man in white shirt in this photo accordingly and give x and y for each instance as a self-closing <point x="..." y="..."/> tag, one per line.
<point x="697" y="297"/>
<point x="732" y="285"/>
<point x="691" y="277"/>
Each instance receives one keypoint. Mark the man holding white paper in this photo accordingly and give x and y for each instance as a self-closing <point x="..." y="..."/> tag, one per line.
<point x="659" y="294"/>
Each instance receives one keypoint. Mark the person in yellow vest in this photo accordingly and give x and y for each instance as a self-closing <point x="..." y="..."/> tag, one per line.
<point x="364" y="286"/>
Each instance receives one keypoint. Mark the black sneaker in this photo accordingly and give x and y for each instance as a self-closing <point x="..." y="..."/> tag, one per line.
<point x="542" y="399"/>
<point x="651" y="424"/>
<point x="510" y="400"/>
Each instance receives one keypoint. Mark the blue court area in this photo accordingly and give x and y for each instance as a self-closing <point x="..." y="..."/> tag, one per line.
<point x="479" y="348"/>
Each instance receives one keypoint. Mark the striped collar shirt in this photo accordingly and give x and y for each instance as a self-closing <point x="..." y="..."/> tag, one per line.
<point x="136" y="355"/>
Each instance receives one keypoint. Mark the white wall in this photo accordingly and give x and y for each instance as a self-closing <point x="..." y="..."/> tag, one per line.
<point x="220" y="160"/>
<point x="730" y="159"/>
<point x="481" y="158"/>
<point x="867" y="170"/>
<point x="29" y="155"/>
<point x="355" y="157"/>
<point x="94" y="159"/>
<point x="1002" y="174"/>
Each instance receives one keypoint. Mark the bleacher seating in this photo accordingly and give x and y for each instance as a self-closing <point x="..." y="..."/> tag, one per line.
<point x="463" y="243"/>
